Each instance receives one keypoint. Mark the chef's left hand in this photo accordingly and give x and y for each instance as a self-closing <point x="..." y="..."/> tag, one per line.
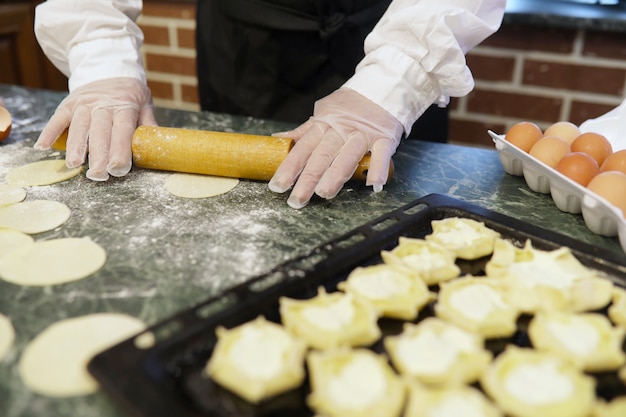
<point x="329" y="146"/>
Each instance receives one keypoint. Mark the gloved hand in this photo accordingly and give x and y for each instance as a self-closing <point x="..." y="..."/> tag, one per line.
<point x="344" y="127"/>
<point x="102" y="117"/>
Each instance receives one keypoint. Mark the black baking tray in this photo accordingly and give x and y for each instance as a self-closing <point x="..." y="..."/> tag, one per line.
<point x="167" y="380"/>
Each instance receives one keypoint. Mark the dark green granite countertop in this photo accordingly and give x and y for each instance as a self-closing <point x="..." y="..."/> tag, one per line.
<point x="166" y="253"/>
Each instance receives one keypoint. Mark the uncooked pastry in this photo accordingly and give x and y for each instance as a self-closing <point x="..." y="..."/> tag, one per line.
<point x="51" y="262"/>
<point x="198" y="186"/>
<point x="11" y="239"/>
<point x="459" y="400"/>
<point x="34" y="216"/>
<point x="7" y="336"/>
<point x="54" y="363"/>
<point x="10" y="194"/>
<point x="467" y="238"/>
<point x="42" y="173"/>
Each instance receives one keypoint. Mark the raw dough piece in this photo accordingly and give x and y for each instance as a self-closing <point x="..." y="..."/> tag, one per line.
<point x="12" y="239"/>
<point x="257" y="360"/>
<point x="353" y="383"/>
<point x="34" y="216"/>
<point x="433" y="262"/>
<point x="54" y="363"/>
<point x="42" y="173"/>
<point x="392" y="291"/>
<point x="452" y="401"/>
<point x="528" y="383"/>
<point x="617" y="310"/>
<point x="588" y="340"/>
<point x="467" y="238"/>
<point x="614" y="408"/>
<point x="50" y="262"/>
<point x="10" y="194"/>
<point x="198" y="186"/>
<point x="7" y="336"/>
<point x="331" y="320"/>
<point x="478" y="305"/>
<point x="437" y="353"/>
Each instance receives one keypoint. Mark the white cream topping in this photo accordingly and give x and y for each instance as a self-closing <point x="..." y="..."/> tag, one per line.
<point x="543" y="270"/>
<point x="538" y="384"/>
<point x="455" y="406"/>
<point x="577" y="336"/>
<point x="425" y="260"/>
<point x="360" y="383"/>
<point x="381" y="286"/>
<point x="477" y="301"/>
<point x="460" y="235"/>
<point x="333" y="316"/>
<point x="429" y="352"/>
<point x="259" y="352"/>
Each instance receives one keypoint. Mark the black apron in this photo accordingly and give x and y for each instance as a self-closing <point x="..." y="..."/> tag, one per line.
<point x="273" y="59"/>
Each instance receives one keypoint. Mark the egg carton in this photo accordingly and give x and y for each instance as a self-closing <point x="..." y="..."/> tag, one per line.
<point x="600" y="216"/>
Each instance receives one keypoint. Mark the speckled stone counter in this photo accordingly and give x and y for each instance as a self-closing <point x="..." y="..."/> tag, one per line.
<point x="166" y="253"/>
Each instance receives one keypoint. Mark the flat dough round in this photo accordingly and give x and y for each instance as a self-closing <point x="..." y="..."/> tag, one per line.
<point x="11" y="239"/>
<point x="11" y="194"/>
<point x="198" y="186"/>
<point x="34" y="216"/>
<point x="51" y="262"/>
<point x="54" y="363"/>
<point x="7" y="336"/>
<point x="42" y="173"/>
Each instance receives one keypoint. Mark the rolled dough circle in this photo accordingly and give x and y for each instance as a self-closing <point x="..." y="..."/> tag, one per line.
<point x="10" y="194"/>
<point x="198" y="186"/>
<point x="42" y="173"/>
<point x="34" y="216"/>
<point x="52" y="262"/>
<point x="7" y="336"/>
<point x="54" y="363"/>
<point x="11" y="239"/>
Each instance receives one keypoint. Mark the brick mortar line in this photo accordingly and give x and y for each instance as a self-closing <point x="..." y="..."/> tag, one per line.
<point x="166" y="21"/>
<point x="175" y="51"/>
<point x="541" y="91"/>
<point x="555" y="57"/>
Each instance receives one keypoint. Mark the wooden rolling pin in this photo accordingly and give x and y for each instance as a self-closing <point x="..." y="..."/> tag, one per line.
<point x="235" y="155"/>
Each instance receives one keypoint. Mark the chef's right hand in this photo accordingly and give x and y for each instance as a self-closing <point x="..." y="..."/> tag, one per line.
<point x="102" y="117"/>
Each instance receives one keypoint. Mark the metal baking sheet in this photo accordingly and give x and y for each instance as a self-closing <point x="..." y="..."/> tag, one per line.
<point x="166" y="379"/>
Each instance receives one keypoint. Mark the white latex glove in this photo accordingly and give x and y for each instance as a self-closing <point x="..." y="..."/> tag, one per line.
<point x="344" y="127"/>
<point x="102" y="117"/>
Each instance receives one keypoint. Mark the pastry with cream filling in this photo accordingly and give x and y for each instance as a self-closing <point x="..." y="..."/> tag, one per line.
<point x="354" y="383"/>
<point x="331" y="319"/>
<point x="528" y="383"/>
<point x="468" y="239"/>
<point x="454" y="401"/>
<point x="588" y="340"/>
<point x="438" y="353"/>
<point x="547" y="280"/>
<point x="433" y="262"/>
<point x="257" y="360"/>
<point x="478" y="305"/>
<point x="614" y="408"/>
<point x="393" y="292"/>
<point x="617" y="309"/>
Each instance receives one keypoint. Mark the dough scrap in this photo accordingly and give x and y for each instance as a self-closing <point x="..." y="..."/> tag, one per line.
<point x="11" y="239"/>
<point x="11" y="194"/>
<point x="42" y="173"/>
<point x="51" y="262"/>
<point x="7" y="336"/>
<point x="198" y="186"/>
<point x="54" y="363"/>
<point x="34" y="216"/>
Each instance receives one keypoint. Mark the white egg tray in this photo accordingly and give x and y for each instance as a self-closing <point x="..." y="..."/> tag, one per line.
<point x="600" y="216"/>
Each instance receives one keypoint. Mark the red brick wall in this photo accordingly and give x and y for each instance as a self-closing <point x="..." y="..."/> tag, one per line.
<point x="522" y="73"/>
<point x="542" y="75"/>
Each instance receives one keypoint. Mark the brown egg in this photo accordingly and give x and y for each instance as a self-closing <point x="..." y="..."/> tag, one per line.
<point x="594" y="144"/>
<point x="579" y="167"/>
<point x="612" y="186"/>
<point x="550" y="150"/>
<point x="567" y="131"/>
<point x="524" y="135"/>
<point x="5" y="123"/>
<point x="615" y="162"/>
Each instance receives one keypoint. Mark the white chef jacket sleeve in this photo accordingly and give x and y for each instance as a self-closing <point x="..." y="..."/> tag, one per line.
<point x="90" y="40"/>
<point x="415" y="56"/>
